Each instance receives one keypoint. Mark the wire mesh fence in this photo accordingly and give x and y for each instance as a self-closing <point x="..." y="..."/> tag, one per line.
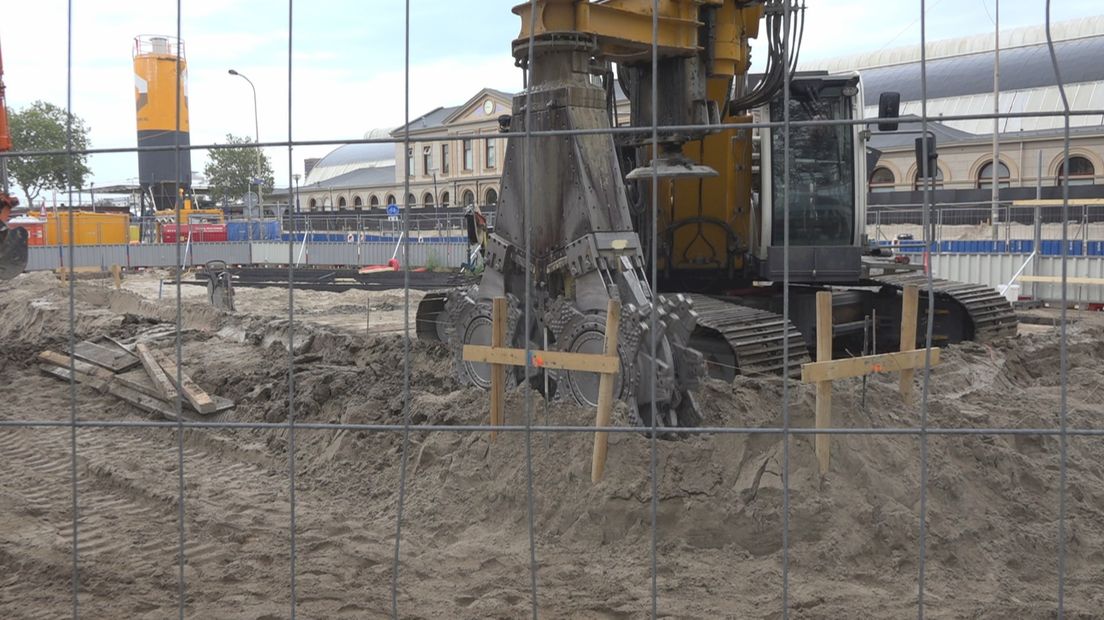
<point x="294" y="416"/>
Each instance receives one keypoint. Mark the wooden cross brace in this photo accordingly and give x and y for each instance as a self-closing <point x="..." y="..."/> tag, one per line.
<point x="607" y="365"/>
<point x="826" y="370"/>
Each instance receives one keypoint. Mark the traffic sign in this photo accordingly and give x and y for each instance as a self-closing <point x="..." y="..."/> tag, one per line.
<point x="392" y="212"/>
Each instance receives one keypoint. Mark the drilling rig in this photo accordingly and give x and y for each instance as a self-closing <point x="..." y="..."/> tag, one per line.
<point x="575" y="223"/>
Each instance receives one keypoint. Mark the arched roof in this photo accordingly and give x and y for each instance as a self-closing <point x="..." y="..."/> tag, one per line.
<point x="350" y="157"/>
<point x="1022" y="68"/>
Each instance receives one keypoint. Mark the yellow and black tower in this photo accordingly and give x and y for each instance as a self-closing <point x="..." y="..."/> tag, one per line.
<point x="159" y="97"/>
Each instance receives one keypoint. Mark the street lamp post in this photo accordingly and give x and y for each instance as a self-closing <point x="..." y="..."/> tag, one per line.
<point x="298" y="208"/>
<point x="436" y="203"/>
<point x="257" y="140"/>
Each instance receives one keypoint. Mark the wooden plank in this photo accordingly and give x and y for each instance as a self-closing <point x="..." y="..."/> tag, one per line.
<point x="557" y="360"/>
<point x="116" y="389"/>
<point x="117" y="276"/>
<point x="120" y="345"/>
<point x="200" y="400"/>
<point x="823" y="388"/>
<point x="868" y="365"/>
<point x="605" y="392"/>
<point x="1055" y="202"/>
<point x="1058" y="280"/>
<point x="165" y="389"/>
<point x="498" y="371"/>
<point x="148" y="403"/>
<point x="139" y="381"/>
<point x="909" y="307"/>
<point x="64" y="361"/>
<point x="115" y="360"/>
<point x="63" y="373"/>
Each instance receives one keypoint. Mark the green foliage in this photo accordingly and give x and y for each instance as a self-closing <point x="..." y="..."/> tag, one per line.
<point x="229" y="171"/>
<point x="432" y="262"/>
<point x="43" y="126"/>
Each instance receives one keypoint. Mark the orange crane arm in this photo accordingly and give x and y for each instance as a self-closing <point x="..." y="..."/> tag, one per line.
<point x="5" y="133"/>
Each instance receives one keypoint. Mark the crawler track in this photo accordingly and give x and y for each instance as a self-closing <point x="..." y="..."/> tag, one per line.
<point x="989" y="313"/>
<point x="756" y="339"/>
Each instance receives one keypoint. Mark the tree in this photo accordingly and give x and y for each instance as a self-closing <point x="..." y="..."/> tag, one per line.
<point x="43" y="127"/>
<point x="231" y="171"/>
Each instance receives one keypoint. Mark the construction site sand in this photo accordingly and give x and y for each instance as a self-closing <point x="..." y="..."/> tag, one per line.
<point x="992" y="501"/>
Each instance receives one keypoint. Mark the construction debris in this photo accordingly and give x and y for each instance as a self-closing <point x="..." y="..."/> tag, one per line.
<point x="155" y="388"/>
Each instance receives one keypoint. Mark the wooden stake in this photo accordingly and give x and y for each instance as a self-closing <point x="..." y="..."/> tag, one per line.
<point x="823" y="388"/>
<point x="909" y="307"/>
<point x="605" y="392"/>
<point x="498" y="371"/>
<point x="117" y="276"/>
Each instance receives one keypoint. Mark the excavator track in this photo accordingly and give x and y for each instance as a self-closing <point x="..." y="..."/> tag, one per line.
<point x="755" y="340"/>
<point x="990" y="313"/>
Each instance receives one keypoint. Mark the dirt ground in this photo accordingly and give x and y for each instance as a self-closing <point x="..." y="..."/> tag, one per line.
<point x="992" y="501"/>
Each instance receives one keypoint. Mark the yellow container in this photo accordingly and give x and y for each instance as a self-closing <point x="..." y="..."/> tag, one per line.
<point x="90" y="228"/>
<point x="135" y="233"/>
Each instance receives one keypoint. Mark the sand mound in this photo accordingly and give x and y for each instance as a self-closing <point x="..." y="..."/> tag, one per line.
<point x="992" y="502"/>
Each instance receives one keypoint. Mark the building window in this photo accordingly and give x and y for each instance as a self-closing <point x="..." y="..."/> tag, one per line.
<point x="445" y="158"/>
<point x="373" y="202"/>
<point x="390" y="199"/>
<point x="985" y="176"/>
<point x="469" y="198"/>
<point x="411" y="201"/>
<point x="492" y="198"/>
<point x="469" y="156"/>
<point x="427" y="200"/>
<point x="427" y="160"/>
<point x="410" y="162"/>
<point x="312" y="204"/>
<point x="1082" y="171"/>
<point x="341" y="202"/>
<point x="445" y="199"/>
<point x="491" y="159"/>
<point x="918" y="183"/>
<point x="357" y="202"/>
<point x="882" y="180"/>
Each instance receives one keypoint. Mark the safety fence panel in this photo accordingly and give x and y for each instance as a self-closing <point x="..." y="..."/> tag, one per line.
<point x="331" y="254"/>
<point x="43" y="258"/>
<point x="232" y="253"/>
<point x="996" y="270"/>
<point x="435" y="254"/>
<point x="1076" y="266"/>
<point x="155" y="255"/>
<point x="272" y="252"/>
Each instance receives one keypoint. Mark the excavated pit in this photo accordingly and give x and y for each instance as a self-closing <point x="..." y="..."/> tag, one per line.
<point x="992" y="502"/>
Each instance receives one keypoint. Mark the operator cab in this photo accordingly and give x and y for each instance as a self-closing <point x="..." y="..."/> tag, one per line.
<point x="826" y="196"/>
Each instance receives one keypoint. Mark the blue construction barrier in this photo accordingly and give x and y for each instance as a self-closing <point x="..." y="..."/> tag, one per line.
<point x="339" y="237"/>
<point x="242" y="230"/>
<point x="1048" y="247"/>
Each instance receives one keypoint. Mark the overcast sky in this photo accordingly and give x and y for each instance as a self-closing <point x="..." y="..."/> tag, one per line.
<point x="348" y="59"/>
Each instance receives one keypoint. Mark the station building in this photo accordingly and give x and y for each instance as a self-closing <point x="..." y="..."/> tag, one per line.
<point x="455" y="157"/>
<point x="456" y="153"/>
<point x="960" y="82"/>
